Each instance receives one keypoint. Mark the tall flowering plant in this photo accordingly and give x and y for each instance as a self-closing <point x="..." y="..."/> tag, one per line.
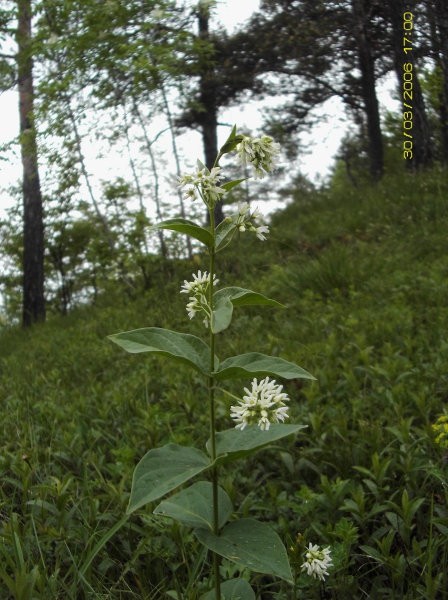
<point x="258" y="416"/>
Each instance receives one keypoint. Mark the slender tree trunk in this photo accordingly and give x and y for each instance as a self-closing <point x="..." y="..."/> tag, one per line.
<point x="421" y="133"/>
<point x="367" y="67"/>
<point x="176" y="160"/>
<point x="209" y="121"/>
<point x="134" y="173"/>
<point x="443" y="119"/>
<point x="82" y="164"/>
<point x="33" y="223"/>
<point x="422" y="150"/>
<point x="57" y="258"/>
<point x="137" y="113"/>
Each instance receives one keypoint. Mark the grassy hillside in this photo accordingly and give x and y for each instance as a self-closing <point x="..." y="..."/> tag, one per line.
<point x="364" y="275"/>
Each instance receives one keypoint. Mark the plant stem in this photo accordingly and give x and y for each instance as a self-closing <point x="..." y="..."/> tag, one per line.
<point x="211" y="395"/>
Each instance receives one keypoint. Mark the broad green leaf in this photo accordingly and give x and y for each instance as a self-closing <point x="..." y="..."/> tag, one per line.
<point x="189" y="228"/>
<point x="231" y="184"/>
<point x="194" y="506"/>
<point x="242" y="297"/>
<point x="234" y="443"/>
<point x="221" y="315"/>
<point x="224" y="233"/>
<point x="251" y="544"/>
<point x="257" y="365"/>
<point x="226" y="298"/>
<point x="162" y="470"/>
<point x="234" y="589"/>
<point x="181" y="347"/>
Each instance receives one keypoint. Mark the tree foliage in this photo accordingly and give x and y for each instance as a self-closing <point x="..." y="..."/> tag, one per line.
<point x="110" y="72"/>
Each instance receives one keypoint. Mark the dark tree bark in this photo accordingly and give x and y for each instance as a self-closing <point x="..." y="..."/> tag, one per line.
<point x="209" y="108"/>
<point x="421" y="130"/>
<point x="366" y="63"/>
<point x="33" y="226"/>
<point x="422" y="147"/>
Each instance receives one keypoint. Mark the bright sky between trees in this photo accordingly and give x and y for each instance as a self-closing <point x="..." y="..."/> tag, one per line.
<point x="321" y="144"/>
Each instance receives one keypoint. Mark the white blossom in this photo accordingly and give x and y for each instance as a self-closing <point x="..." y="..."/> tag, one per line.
<point x="245" y="220"/>
<point x="200" y="283"/>
<point x="262" y="405"/>
<point x="317" y="561"/>
<point x="205" y="183"/>
<point x="261" y="153"/>
<point x="198" y="290"/>
<point x="191" y="194"/>
<point x="260" y="231"/>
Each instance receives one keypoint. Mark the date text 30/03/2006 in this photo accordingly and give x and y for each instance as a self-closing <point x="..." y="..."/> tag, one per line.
<point x="408" y="115"/>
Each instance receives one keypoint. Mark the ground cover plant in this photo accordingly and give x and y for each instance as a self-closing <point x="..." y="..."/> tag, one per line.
<point x="363" y="274"/>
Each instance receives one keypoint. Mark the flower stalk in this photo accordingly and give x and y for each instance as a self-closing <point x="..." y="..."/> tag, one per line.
<point x="211" y="395"/>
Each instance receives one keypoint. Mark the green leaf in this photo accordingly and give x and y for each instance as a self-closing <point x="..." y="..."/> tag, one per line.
<point x="224" y="233"/>
<point x="251" y="544"/>
<point x="194" y="506"/>
<point x="226" y="298"/>
<point x="221" y="315"/>
<point x="181" y="347"/>
<point x="234" y="589"/>
<point x="230" y="145"/>
<point x="241" y="297"/>
<point x="258" y="365"/>
<point x="231" y="184"/>
<point x="231" y="142"/>
<point x="189" y="228"/>
<point x="162" y="470"/>
<point x="100" y="544"/>
<point x="234" y="443"/>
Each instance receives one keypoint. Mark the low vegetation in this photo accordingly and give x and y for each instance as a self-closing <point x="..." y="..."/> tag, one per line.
<point x="364" y="273"/>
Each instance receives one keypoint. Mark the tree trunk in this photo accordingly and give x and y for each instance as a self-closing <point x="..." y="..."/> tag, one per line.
<point x="209" y="116"/>
<point x="421" y="130"/>
<point x="176" y="160"/>
<point x="421" y="133"/>
<point x="155" y="172"/>
<point x="366" y="65"/>
<point x="138" y="187"/>
<point x="33" y="225"/>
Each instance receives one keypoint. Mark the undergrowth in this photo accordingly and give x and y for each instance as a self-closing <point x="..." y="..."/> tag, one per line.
<point x="365" y="276"/>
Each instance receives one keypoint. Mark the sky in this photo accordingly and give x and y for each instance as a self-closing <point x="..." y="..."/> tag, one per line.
<point x="322" y="142"/>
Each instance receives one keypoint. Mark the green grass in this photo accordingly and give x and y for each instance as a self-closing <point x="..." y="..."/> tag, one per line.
<point x="364" y="275"/>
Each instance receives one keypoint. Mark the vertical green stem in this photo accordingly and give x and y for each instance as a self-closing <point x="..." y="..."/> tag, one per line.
<point x="211" y="395"/>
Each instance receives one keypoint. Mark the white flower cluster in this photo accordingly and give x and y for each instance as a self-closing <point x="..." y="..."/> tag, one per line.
<point x="317" y="562"/>
<point x="205" y="183"/>
<point x="261" y="153"/>
<point x="246" y="220"/>
<point x="198" y="290"/>
<point x="262" y="405"/>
